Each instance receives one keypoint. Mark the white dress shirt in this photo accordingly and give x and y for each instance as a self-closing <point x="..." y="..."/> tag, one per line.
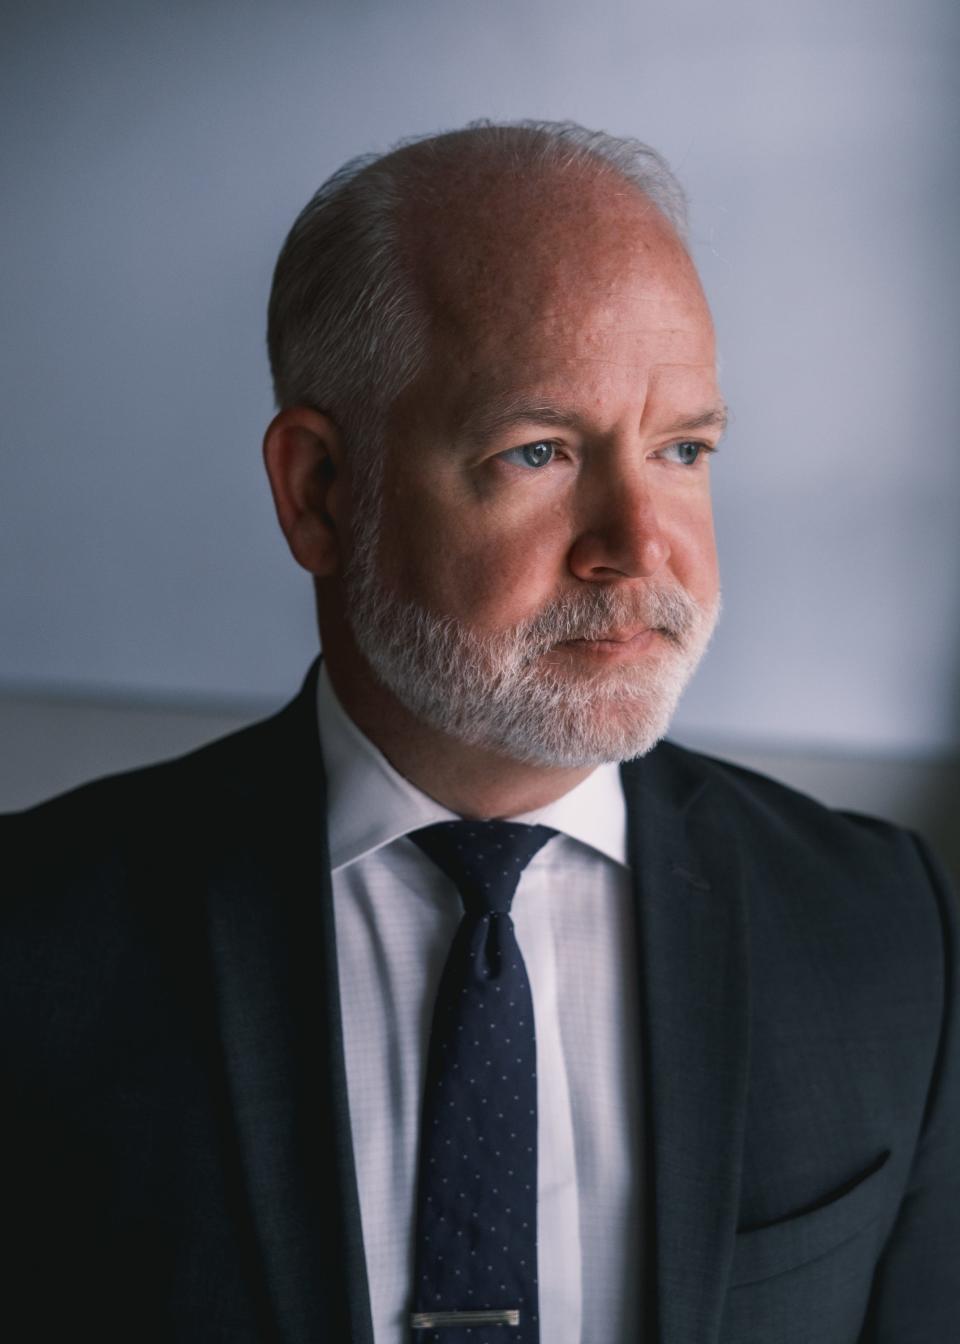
<point x="396" y="915"/>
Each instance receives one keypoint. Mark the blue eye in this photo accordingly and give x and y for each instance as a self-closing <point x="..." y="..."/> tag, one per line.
<point x="537" y="454"/>
<point x="687" y="451"/>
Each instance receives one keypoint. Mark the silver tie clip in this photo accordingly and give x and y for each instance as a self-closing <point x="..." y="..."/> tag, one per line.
<point x="433" y="1320"/>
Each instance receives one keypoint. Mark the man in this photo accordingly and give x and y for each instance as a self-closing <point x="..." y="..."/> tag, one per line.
<point x="242" y="990"/>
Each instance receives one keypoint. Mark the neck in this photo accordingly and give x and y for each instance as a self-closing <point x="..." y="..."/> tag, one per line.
<point x="472" y="781"/>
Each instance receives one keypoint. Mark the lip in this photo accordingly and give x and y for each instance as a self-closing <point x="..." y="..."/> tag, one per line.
<point x="617" y="643"/>
<point x="616" y="636"/>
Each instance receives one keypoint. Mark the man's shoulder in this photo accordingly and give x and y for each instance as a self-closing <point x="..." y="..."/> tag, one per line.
<point x="114" y="873"/>
<point x="771" y="817"/>
<point x="107" y="834"/>
<point x="821" y="874"/>
<point x="242" y="769"/>
<point x="110" y="891"/>
<point x="123" y="794"/>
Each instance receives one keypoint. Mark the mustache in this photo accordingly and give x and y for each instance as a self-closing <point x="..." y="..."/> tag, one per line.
<point x="594" y="613"/>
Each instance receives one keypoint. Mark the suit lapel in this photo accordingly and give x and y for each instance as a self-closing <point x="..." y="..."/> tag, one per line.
<point x="272" y="941"/>
<point x="694" y="970"/>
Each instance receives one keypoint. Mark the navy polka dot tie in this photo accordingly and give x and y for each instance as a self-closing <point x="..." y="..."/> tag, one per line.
<point x="476" y="1238"/>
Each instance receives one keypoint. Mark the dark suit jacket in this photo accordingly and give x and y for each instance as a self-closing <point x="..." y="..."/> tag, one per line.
<point x="178" y="1163"/>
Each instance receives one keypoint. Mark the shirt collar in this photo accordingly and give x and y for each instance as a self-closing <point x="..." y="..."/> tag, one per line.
<point x="370" y="804"/>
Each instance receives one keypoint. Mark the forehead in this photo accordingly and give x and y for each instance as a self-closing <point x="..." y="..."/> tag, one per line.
<point x="576" y="395"/>
<point x="567" y="267"/>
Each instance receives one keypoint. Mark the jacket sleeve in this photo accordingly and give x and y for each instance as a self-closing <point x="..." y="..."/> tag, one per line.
<point x="916" y="1291"/>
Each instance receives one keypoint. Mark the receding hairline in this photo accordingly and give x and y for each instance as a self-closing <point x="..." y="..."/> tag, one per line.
<point x="577" y="204"/>
<point x="460" y="169"/>
<point x="532" y="145"/>
<point x="348" y="325"/>
<point x="468" y="233"/>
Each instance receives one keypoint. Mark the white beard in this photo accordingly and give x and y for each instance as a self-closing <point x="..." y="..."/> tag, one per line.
<point x="502" y="693"/>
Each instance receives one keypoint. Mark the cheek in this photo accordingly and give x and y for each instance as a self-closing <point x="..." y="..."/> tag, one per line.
<point x="694" y="554"/>
<point x="490" y="566"/>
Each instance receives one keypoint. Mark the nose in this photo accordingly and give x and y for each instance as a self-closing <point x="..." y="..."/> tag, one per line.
<point x="623" y="534"/>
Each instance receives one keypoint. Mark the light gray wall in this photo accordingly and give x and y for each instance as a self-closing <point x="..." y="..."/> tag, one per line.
<point x="153" y="156"/>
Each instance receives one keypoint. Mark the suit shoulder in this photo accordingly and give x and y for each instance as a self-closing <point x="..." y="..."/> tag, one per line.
<point x="91" y="828"/>
<point x="832" y="873"/>
<point x="103" y="880"/>
<point x="768" y="809"/>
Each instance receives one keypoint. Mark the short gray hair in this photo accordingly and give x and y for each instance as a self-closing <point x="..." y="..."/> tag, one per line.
<point x="347" y="330"/>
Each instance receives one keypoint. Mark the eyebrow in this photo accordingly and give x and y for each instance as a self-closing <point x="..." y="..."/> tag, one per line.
<point x="485" y="422"/>
<point x="714" y="418"/>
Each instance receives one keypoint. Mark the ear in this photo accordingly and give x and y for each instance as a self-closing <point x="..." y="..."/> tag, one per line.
<point x="303" y="453"/>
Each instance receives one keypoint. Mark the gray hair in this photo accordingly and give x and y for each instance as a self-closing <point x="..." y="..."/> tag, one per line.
<point x="347" y="330"/>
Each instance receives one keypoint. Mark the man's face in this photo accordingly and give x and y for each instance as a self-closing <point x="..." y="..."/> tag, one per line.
<point x="543" y="579"/>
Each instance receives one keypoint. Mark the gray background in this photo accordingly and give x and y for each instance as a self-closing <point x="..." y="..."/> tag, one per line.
<point x="154" y="156"/>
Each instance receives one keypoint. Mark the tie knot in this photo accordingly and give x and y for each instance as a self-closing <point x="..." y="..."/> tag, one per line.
<point x="484" y="859"/>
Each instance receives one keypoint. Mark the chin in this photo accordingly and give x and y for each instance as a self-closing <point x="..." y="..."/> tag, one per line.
<point x="577" y="734"/>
